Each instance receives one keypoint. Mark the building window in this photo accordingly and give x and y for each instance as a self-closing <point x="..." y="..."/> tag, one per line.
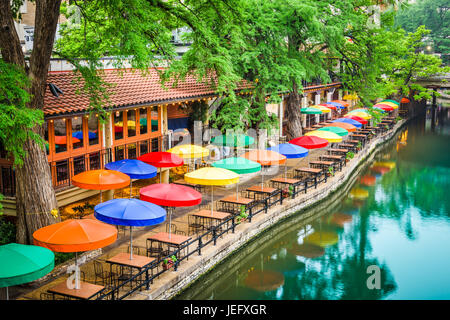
<point x="79" y="165"/>
<point x="94" y="161"/>
<point x="77" y="133"/>
<point x="143" y="120"/>
<point x="93" y="131"/>
<point x="143" y="147"/>
<point x="62" y="172"/>
<point x="155" y="145"/>
<point x="132" y="151"/>
<point x="118" y="125"/>
<point x="154" y="118"/>
<point x="119" y="153"/>
<point x="131" y="123"/>
<point x="60" y="135"/>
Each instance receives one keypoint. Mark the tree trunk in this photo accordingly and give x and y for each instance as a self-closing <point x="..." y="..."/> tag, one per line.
<point x="35" y="196"/>
<point x="294" y="119"/>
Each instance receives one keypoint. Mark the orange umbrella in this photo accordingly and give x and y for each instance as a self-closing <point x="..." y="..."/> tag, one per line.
<point x="75" y="235"/>
<point x="347" y="126"/>
<point x="265" y="158"/>
<point x="405" y="100"/>
<point x="101" y="180"/>
<point x="368" y="180"/>
<point x="63" y="140"/>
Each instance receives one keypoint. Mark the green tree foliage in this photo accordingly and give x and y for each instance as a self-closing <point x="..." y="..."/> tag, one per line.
<point x="16" y="118"/>
<point x="435" y="16"/>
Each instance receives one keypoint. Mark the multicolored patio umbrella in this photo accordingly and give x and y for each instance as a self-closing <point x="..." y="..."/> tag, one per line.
<point x="290" y="151"/>
<point x="162" y="160"/>
<point x="135" y="169"/>
<point x="130" y="212"/>
<point x="360" y="114"/>
<point x="233" y="140"/>
<point x="211" y="176"/>
<point x="359" y="119"/>
<point x="347" y="126"/>
<point x="383" y="107"/>
<point x="321" y="108"/>
<point x="79" y="135"/>
<point x="389" y="103"/>
<point x="337" y="130"/>
<point x="101" y="180"/>
<point x="75" y="235"/>
<point x="310" y="142"/>
<point x="63" y="140"/>
<point x="329" y="136"/>
<point x="390" y="100"/>
<point x="336" y="104"/>
<point x="349" y="121"/>
<point x="170" y="195"/>
<point x="189" y="151"/>
<point x="310" y="110"/>
<point x="238" y="165"/>
<point x="22" y="263"/>
<point x="265" y="158"/>
<point x="329" y="106"/>
<point x="343" y="103"/>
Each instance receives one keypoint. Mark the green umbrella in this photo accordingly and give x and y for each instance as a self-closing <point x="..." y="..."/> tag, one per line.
<point x="238" y="165"/>
<point x="393" y="101"/>
<point x="23" y="263"/>
<point x="339" y="131"/>
<point x="310" y="111"/>
<point x="233" y="140"/>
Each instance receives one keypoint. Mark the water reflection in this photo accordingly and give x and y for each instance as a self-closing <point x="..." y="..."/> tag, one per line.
<point x="396" y="216"/>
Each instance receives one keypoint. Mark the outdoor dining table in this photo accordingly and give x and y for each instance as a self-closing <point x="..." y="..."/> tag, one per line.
<point x="338" y="151"/>
<point x="259" y="193"/>
<point x="171" y="240"/>
<point x="340" y="159"/>
<point x="87" y="290"/>
<point x="230" y="203"/>
<point x="210" y="219"/>
<point x="310" y="173"/>
<point x="282" y="183"/>
<point x="360" y="137"/>
<point x="123" y="260"/>
<point x="324" y="165"/>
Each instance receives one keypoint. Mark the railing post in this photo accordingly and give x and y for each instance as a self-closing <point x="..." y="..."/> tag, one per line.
<point x="199" y="246"/>
<point x="214" y="234"/>
<point x="233" y="224"/>
<point x="250" y="214"/>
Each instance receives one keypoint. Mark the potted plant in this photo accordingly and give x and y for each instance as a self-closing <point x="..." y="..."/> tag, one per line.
<point x="84" y="209"/>
<point x="287" y="192"/>
<point x="330" y="171"/>
<point x="242" y="216"/>
<point x="169" y="262"/>
<point x="350" y="155"/>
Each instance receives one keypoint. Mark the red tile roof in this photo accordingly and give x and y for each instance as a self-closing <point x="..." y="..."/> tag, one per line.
<point x="130" y="88"/>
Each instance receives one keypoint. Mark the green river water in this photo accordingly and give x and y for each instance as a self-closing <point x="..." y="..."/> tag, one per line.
<point x="394" y="218"/>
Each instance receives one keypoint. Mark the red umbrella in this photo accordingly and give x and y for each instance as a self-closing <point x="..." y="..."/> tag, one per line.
<point x="162" y="160"/>
<point x="405" y="100"/>
<point x="359" y="119"/>
<point x="380" y="169"/>
<point x="329" y="106"/>
<point x="170" y="195"/>
<point x="310" y="142"/>
<point x="383" y="106"/>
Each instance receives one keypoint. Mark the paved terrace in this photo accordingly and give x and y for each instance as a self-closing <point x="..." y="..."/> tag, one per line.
<point x="168" y="283"/>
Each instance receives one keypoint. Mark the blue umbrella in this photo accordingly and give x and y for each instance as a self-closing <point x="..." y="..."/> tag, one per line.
<point x="350" y="121"/>
<point x="135" y="169"/>
<point x="130" y="212"/>
<point x="79" y="135"/>
<point x="340" y="106"/>
<point x="290" y="151"/>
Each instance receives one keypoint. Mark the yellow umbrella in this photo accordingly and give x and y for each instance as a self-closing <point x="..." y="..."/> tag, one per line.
<point x="130" y="123"/>
<point x="327" y="135"/>
<point x="212" y="176"/>
<point x="361" y="114"/>
<point x="358" y="193"/>
<point x="321" y="108"/>
<point x="322" y="238"/>
<point x="393" y="105"/>
<point x="189" y="151"/>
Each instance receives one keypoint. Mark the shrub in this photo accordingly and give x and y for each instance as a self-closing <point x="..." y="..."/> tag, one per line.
<point x="7" y="231"/>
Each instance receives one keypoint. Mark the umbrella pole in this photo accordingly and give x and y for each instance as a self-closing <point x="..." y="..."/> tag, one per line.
<point x="101" y="196"/>
<point x="7" y="294"/>
<point x="131" y="186"/>
<point x="237" y="190"/>
<point x="170" y="223"/>
<point x="212" y="199"/>
<point x="77" y="277"/>
<point x="131" y="243"/>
